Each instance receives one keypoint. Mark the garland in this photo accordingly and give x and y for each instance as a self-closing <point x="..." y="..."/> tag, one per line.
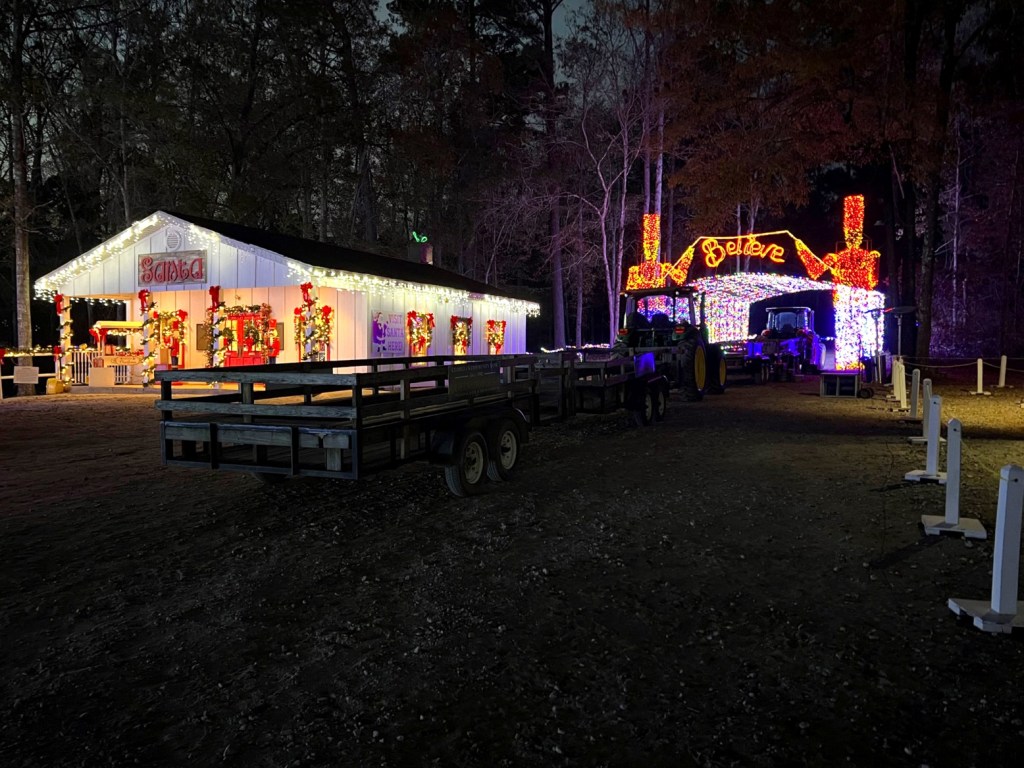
<point x="255" y="332"/>
<point x="462" y="334"/>
<point x="64" y="362"/>
<point x="495" y="336"/>
<point x="312" y="326"/>
<point x="419" y="328"/>
<point x="150" y="335"/>
<point x="176" y="334"/>
<point x="220" y="335"/>
<point x="13" y="352"/>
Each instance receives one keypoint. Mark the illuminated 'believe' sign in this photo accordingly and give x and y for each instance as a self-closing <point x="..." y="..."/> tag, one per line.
<point x="715" y="253"/>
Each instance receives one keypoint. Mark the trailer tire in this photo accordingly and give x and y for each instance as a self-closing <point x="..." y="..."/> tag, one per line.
<point x="468" y="466"/>
<point x="660" y="394"/>
<point x="503" y="453"/>
<point x="643" y="415"/>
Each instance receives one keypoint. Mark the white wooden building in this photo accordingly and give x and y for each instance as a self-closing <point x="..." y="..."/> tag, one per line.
<point x="258" y="274"/>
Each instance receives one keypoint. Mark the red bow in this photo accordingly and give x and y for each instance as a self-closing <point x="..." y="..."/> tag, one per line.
<point x="3" y="352"/>
<point x="182" y="314"/>
<point x="56" y="350"/>
<point x="143" y="301"/>
<point x="326" y="311"/>
<point x="59" y="299"/>
<point x="214" y="296"/>
<point x="306" y="288"/>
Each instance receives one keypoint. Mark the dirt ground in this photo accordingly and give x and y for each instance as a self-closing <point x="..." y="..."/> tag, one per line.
<point x="745" y="583"/>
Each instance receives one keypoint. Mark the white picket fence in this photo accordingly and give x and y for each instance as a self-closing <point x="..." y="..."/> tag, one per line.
<point x="81" y="363"/>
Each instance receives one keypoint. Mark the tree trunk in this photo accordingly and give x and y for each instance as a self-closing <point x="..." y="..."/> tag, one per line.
<point x="557" y="288"/>
<point x="659" y="161"/>
<point x="22" y="206"/>
<point x="940" y="128"/>
<point x="579" y="305"/>
<point x="547" y="69"/>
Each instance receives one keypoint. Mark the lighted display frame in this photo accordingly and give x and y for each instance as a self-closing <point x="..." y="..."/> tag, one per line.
<point x="729" y="296"/>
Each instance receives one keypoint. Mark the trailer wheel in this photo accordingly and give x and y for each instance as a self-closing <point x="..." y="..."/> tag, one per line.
<point x="694" y="368"/>
<point x="503" y="454"/>
<point x="643" y="415"/>
<point x="660" y="394"/>
<point x="466" y="472"/>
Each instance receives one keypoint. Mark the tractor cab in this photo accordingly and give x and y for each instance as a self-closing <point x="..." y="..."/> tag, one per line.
<point x="658" y="317"/>
<point x="789" y="342"/>
<point x="787" y="322"/>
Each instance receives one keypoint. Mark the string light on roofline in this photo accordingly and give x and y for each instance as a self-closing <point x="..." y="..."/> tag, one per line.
<point x="48" y="286"/>
<point x="364" y="283"/>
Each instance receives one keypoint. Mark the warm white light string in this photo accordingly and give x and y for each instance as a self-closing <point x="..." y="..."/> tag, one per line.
<point x="48" y="285"/>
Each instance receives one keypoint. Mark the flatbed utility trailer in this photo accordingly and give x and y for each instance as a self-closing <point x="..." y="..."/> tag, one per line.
<point x="347" y="419"/>
<point x="605" y="381"/>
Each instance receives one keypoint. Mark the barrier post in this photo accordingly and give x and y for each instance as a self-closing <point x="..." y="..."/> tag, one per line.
<point x="900" y="385"/>
<point x="915" y="394"/>
<point x="980" y="390"/>
<point x="926" y="387"/>
<point x="894" y="395"/>
<point x="1002" y="372"/>
<point x="1002" y="612"/>
<point x="931" y="471"/>
<point x="970" y="527"/>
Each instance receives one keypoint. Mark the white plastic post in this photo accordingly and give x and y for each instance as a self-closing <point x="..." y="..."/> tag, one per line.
<point x="980" y="390"/>
<point x="894" y="381"/>
<point x="952" y="522"/>
<point x="931" y="471"/>
<point x="1003" y="612"/>
<point x="1002" y="372"/>
<point x="1006" y="556"/>
<point x="953" y="471"/>
<point x="915" y="393"/>
<point x="926" y="414"/>
<point x="934" y="427"/>
<point x="899" y="374"/>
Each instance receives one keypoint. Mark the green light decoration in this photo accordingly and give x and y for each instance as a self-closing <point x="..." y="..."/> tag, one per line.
<point x="419" y="238"/>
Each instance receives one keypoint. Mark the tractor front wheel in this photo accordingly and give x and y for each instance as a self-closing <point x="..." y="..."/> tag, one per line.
<point x="694" y="368"/>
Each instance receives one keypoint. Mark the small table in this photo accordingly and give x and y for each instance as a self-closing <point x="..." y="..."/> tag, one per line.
<point x="840" y="383"/>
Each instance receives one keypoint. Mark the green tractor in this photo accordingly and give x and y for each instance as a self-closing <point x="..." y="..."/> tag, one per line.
<point x="668" y="323"/>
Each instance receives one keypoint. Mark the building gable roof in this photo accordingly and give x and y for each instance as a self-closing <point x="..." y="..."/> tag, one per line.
<point x="336" y="257"/>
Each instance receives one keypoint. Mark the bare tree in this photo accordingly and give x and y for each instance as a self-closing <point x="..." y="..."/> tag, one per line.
<point x="608" y="113"/>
